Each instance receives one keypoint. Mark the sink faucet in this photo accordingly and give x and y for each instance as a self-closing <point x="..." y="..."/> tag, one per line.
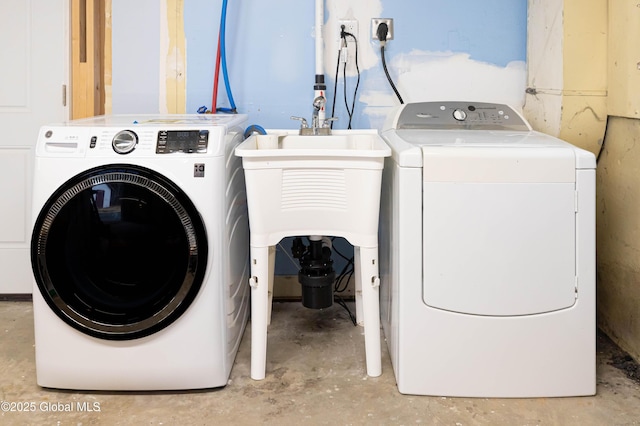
<point x="318" y="104"/>
<point x="317" y="127"/>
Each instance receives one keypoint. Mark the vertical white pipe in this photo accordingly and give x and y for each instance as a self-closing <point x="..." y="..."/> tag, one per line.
<point x="319" y="39"/>
<point x="319" y="86"/>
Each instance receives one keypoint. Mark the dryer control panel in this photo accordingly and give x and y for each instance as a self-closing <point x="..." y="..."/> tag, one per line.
<point x="460" y="116"/>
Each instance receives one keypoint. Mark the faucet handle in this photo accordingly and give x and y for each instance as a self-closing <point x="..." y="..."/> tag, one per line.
<point x="303" y="121"/>
<point x="325" y="122"/>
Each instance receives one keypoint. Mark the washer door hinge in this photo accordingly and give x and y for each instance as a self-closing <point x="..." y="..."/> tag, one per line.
<point x="64" y="95"/>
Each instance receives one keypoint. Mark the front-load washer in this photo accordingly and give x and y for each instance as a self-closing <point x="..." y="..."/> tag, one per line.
<point x="140" y="252"/>
<point x="487" y="274"/>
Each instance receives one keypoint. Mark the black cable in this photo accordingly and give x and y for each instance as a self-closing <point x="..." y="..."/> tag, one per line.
<point x="346" y="273"/>
<point x="348" y="278"/>
<point x="335" y="88"/>
<point x="344" y="95"/>
<point x="341" y="255"/>
<point x="601" y="150"/>
<point x="339" y="287"/>
<point x="350" y="112"/>
<point x="347" y="269"/>
<point x="382" y="31"/>
<point x="340" y="301"/>
<point x="384" y="65"/>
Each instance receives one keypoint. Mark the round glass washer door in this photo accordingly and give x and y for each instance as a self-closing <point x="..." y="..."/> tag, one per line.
<point x="119" y="252"/>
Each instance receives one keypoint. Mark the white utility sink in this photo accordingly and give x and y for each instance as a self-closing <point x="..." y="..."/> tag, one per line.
<point x="314" y="185"/>
<point x="326" y="184"/>
<point x="351" y="143"/>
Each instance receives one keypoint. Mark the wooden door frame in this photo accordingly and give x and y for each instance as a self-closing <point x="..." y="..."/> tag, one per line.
<point x="90" y="56"/>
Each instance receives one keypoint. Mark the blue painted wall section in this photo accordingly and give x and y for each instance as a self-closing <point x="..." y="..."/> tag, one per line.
<point x="491" y="31"/>
<point x="269" y="56"/>
<point x="270" y="48"/>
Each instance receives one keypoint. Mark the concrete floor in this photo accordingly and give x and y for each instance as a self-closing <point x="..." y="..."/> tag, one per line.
<point x="315" y="375"/>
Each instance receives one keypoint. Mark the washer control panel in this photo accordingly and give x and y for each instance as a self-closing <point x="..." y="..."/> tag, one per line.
<point x="145" y="140"/>
<point x="460" y="115"/>
<point x="186" y="141"/>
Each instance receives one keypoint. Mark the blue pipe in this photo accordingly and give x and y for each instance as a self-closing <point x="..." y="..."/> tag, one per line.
<point x="254" y="128"/>
<point x="223" y="55"/>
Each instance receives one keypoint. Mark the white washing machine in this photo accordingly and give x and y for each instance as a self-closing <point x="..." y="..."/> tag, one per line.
<point x="489" y="290"/>
<point x="140" y="252"/>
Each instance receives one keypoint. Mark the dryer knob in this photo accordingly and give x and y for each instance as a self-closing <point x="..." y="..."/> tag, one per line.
<point x="124" y="142"/>
<point x="459" y="114"/>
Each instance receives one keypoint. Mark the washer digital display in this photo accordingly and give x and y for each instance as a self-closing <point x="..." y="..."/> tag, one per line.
<point x="186" y="141"/>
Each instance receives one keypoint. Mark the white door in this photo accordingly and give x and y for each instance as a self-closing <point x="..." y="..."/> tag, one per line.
<point x="34" y="69"/>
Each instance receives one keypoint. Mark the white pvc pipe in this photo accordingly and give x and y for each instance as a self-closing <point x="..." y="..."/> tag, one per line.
<point x="320" y="53"/>
<point x="319" y="39"/>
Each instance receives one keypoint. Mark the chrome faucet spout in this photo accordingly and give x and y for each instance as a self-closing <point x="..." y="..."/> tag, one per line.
<point x="318" y="103"/>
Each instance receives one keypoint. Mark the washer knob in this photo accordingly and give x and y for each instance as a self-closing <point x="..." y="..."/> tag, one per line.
<point x="124" y="142"/>
<point x="459" y="114"/>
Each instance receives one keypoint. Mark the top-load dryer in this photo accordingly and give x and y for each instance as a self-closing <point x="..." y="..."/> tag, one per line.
<point x="490" y="288"/>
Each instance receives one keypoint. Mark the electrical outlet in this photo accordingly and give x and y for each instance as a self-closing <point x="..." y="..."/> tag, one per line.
<point x="351" y="27"/>
<point x="374" y="27"/>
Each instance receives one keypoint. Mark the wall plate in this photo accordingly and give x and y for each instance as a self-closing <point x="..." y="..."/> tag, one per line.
<point x="374" y="27"/>
<point x="350" y="26"/>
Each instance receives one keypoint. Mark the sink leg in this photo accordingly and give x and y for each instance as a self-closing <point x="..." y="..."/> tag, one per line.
<point x="358" y="283"/>
<point x="260" y="310"/>
<point x="272" y="265"/>
<point x="367" y="261"/>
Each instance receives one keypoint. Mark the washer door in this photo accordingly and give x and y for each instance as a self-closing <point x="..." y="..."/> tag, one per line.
<point x="119" y="252"/>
